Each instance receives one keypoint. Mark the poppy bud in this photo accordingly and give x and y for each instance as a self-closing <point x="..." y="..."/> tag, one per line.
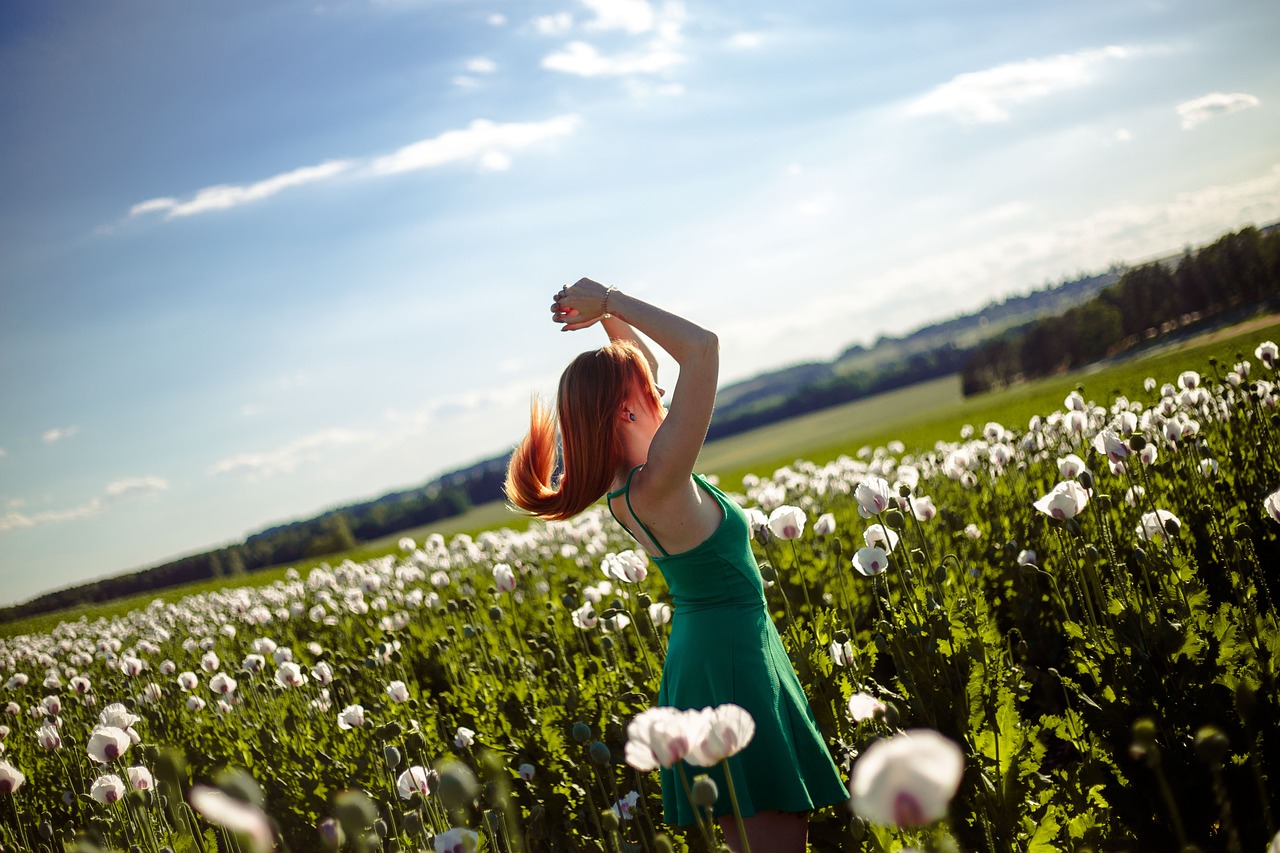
<point x="412" y="823"/>
<point x="458" y="785"/>
<point x="837" y="547"/>
<point x="392" y="755"/>
<point x="331" y="835"/>
<point x="599" y="752"/>
<point x="581" y="732"/>
<point x="609" y="820"/>
<point x="705" y="792"/>
<point x="1211" y="745"/>
<point x="767" y="572"/>
<point x="763" y="536"/>
<point x="495" y="613"/>
<point x="380" y="827"/>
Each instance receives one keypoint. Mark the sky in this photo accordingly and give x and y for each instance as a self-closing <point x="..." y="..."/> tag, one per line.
<point x="258" y="260"/>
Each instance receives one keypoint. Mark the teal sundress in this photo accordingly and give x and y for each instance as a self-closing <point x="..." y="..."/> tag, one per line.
<point x="723" y="647"/>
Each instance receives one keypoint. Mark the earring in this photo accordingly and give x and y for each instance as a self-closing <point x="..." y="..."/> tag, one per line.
<point x="631" y="415"/>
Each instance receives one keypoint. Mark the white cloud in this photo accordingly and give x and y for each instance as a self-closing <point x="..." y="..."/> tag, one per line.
<point x="225" y="196"/>
<point x="744" y="41"/>
<point x="251" y="410"/>
<point x="478" y="143"/>
<point x="633" y="16"/>
<point x="130" y="486"/>
<point x="582" y="59"/>
<point x="978" y="97"/>
<point x="1198" y="111"/>
<point x="484" y="143"/>
<point x="58" y="434"/>
<point x="114" y="492"/>
<point x="553" y="25"/>
<point x="19" y="520"/>
<point x="286" y="459"/>
<point x="462" y="81"/>
<point x="1122" y="135"/>
<point x="497" y="19"/>
<point x="481" y="65"/>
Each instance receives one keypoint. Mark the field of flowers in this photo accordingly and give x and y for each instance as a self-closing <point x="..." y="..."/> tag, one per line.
<point x="1059" y="635"/>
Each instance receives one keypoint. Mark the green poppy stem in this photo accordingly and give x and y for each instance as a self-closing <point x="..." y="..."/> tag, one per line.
<point x="737" y="812"/>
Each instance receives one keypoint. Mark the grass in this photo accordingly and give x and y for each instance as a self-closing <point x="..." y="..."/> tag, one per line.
<point x="918" y="416"/>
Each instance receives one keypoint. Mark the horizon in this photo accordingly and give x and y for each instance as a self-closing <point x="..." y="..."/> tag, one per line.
<point x="259" y="260"/>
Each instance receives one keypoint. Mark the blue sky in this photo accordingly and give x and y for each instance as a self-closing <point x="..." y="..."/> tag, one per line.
<point x="262" y="259"/>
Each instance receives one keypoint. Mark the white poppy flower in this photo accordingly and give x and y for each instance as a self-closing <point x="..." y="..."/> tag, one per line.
<point x="456" y="840"/>
<point x="11" y="778"/>
<point x="725" y="731"/>
<point x="787" y="522"/>
<point x="107" y="743"/>
<point x="351" y="717"/>
<point x="108" y="789"/>
<point x="233" y="814"/>
<point x="864" y="706"/>
<point x="871" y="560"/>
<point x="415" y="780"/>
<point x="906" y="780"/>
<point x="1066" y="500"/>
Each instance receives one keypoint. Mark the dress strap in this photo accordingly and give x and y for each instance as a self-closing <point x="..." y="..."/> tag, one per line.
<point x="626" y="492"/>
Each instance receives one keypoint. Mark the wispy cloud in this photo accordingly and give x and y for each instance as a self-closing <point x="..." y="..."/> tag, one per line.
<point x="659" y="52"/>
<point x="1196" y="112"/>
<point x="132" y="486"/>
<point x="115" y="492"/>
<point x="978" y="97"/>
<point x="287" y="458"/>
<point x="580" y="58"/>
<point x="633" y="16"/>
<point x="553" y="25"/>
<point x="485" y="144"/>
<point x="3" y="453"/>
<point x="744" y="41"/>
<point x="223" y="196"/>
<point x="58" y="434"/>
<point x="481" y="65"/>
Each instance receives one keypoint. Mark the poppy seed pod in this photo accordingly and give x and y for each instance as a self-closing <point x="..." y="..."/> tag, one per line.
<point x="600" y="753"/>
<point x="392" y="756"/>
<point x="705" y="792"/>
<point x="581" y="732"/>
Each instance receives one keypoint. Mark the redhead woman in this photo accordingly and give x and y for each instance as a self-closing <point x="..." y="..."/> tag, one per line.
<point x="619" y="443"/>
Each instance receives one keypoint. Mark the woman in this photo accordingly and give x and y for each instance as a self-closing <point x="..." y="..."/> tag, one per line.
<point x="617" y="441"/>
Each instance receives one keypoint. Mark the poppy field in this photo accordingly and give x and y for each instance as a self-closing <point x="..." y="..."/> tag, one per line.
<point x="1053" y="635"/>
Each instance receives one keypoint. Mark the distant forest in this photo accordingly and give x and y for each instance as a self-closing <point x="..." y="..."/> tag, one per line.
<point x="1048" y="331"/>
<point x="1237" y="272"/>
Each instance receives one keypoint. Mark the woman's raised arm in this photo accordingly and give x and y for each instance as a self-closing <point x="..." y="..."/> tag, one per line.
<point x="677" y="443"/>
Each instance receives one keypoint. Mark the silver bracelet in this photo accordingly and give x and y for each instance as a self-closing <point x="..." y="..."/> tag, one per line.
<point x="605" y="315"/>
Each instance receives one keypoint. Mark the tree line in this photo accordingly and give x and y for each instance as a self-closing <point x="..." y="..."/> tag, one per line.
<point x="1237" y="272"/>
<point x="330" y="533"/>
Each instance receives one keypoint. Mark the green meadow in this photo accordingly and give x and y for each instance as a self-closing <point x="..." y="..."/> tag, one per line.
<point x="919" y="416"/>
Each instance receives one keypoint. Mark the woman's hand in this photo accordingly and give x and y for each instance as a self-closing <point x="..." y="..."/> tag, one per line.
<point x="581" y="304"/>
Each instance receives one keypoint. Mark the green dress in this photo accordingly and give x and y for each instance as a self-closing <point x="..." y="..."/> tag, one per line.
<point x="723" y="647"/>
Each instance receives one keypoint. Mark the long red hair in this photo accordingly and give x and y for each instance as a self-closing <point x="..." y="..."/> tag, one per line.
<point x="593" y="389"/>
